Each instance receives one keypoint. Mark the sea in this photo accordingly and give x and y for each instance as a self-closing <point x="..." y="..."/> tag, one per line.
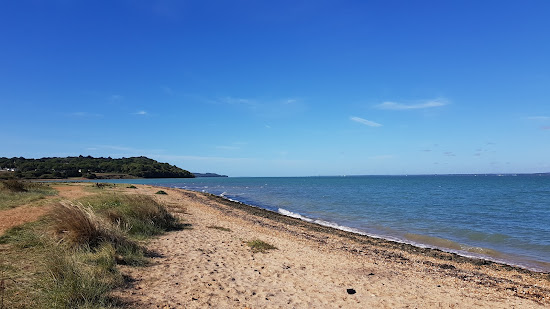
<point x="504" y="219"/>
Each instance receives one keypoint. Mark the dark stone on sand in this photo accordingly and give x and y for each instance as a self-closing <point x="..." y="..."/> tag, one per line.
<point x="351" y="291"/>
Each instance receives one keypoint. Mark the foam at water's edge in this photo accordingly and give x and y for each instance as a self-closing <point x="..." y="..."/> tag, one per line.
<point x="293" y="215"/>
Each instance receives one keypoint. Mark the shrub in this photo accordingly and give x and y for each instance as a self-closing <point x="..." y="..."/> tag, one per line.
<point x="90" y="176"/>
<point x="161" y="192"/>
<point x="14" y="185"/>
<point x="132" y="187"/>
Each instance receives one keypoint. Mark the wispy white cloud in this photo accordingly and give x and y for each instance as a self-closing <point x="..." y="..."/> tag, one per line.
<point x="167" y="90"/>
<point x="238" y="101"/>
<point x="365" y="122"/>
<point x="267" y="108"/>
<point x="85" y="114"/>
<point x="382" y="157"/>
<point x="116" y="97"/>
<point x="422" y="105"/>
<point x="224" y="147"/>
<point x="141" y="113"/>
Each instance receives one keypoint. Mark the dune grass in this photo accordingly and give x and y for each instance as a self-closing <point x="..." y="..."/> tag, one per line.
<point x="69" y="259"/>
<point x="140" y="216"/>
<point x="260" y="246"/>
<point x="15" y="193"/>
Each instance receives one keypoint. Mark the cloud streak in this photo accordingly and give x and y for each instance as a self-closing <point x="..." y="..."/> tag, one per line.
<point x="539" y="118"/>
<point x="223" y="147"/>
<point x="266" y="108"/>
<point x="85" y="114"/>
<point x="365" y="122"/>
<point x="400" y="106"/>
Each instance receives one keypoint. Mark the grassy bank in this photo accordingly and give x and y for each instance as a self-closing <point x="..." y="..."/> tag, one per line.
<point x="15" y="193"/>
<point x="69" y="258"/>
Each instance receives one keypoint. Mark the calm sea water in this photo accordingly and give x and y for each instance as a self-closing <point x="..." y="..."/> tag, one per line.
<point x="504" y="219"/>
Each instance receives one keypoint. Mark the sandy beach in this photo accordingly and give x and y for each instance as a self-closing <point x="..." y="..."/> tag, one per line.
<point x="209" y="264"/>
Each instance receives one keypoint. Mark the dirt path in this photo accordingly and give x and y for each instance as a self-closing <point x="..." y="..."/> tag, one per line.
<point x="20" y="215"/>
<point x="71" y="192"/>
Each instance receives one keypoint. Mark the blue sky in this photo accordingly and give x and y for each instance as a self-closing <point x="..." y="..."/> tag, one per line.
<point x="281" y="88"/>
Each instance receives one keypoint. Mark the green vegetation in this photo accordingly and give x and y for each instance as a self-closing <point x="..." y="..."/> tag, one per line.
<point x="88" y="167"/>
<point x="140" y="216"/>
<point x="69" y="259"/>
<point x="260" y="246"/>
<point x="221" y="228"/>
<point x="13" y="185"/>
<point x="161" y="192"/>
<point x="132" y="187"/>
<point x="14" y="193"/>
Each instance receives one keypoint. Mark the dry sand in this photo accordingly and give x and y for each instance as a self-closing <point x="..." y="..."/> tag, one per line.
<point x="312" y="267"/>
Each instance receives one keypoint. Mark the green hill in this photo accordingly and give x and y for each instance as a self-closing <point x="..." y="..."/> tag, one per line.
<point x="89" y="167"/>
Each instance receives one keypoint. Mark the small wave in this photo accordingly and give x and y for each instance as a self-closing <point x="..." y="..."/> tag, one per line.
<point x="339" y="227"/>
<point x="333" y="225"/>
<point x="287" y="213"/>
<point x="223" y="195"/>
<point x="431" y="241"/>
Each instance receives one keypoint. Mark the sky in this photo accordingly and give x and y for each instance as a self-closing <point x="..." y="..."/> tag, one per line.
<point x="280" y="88"/>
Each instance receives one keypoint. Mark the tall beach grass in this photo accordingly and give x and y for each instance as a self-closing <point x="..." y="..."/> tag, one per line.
<point x="70" y="258"/>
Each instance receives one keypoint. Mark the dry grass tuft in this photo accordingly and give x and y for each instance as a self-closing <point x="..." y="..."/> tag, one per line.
<point x="260" y="246"/>
<point x="79" y="225"/>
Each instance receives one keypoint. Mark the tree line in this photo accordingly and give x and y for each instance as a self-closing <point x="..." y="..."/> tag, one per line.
<point x="88" y="167"/>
